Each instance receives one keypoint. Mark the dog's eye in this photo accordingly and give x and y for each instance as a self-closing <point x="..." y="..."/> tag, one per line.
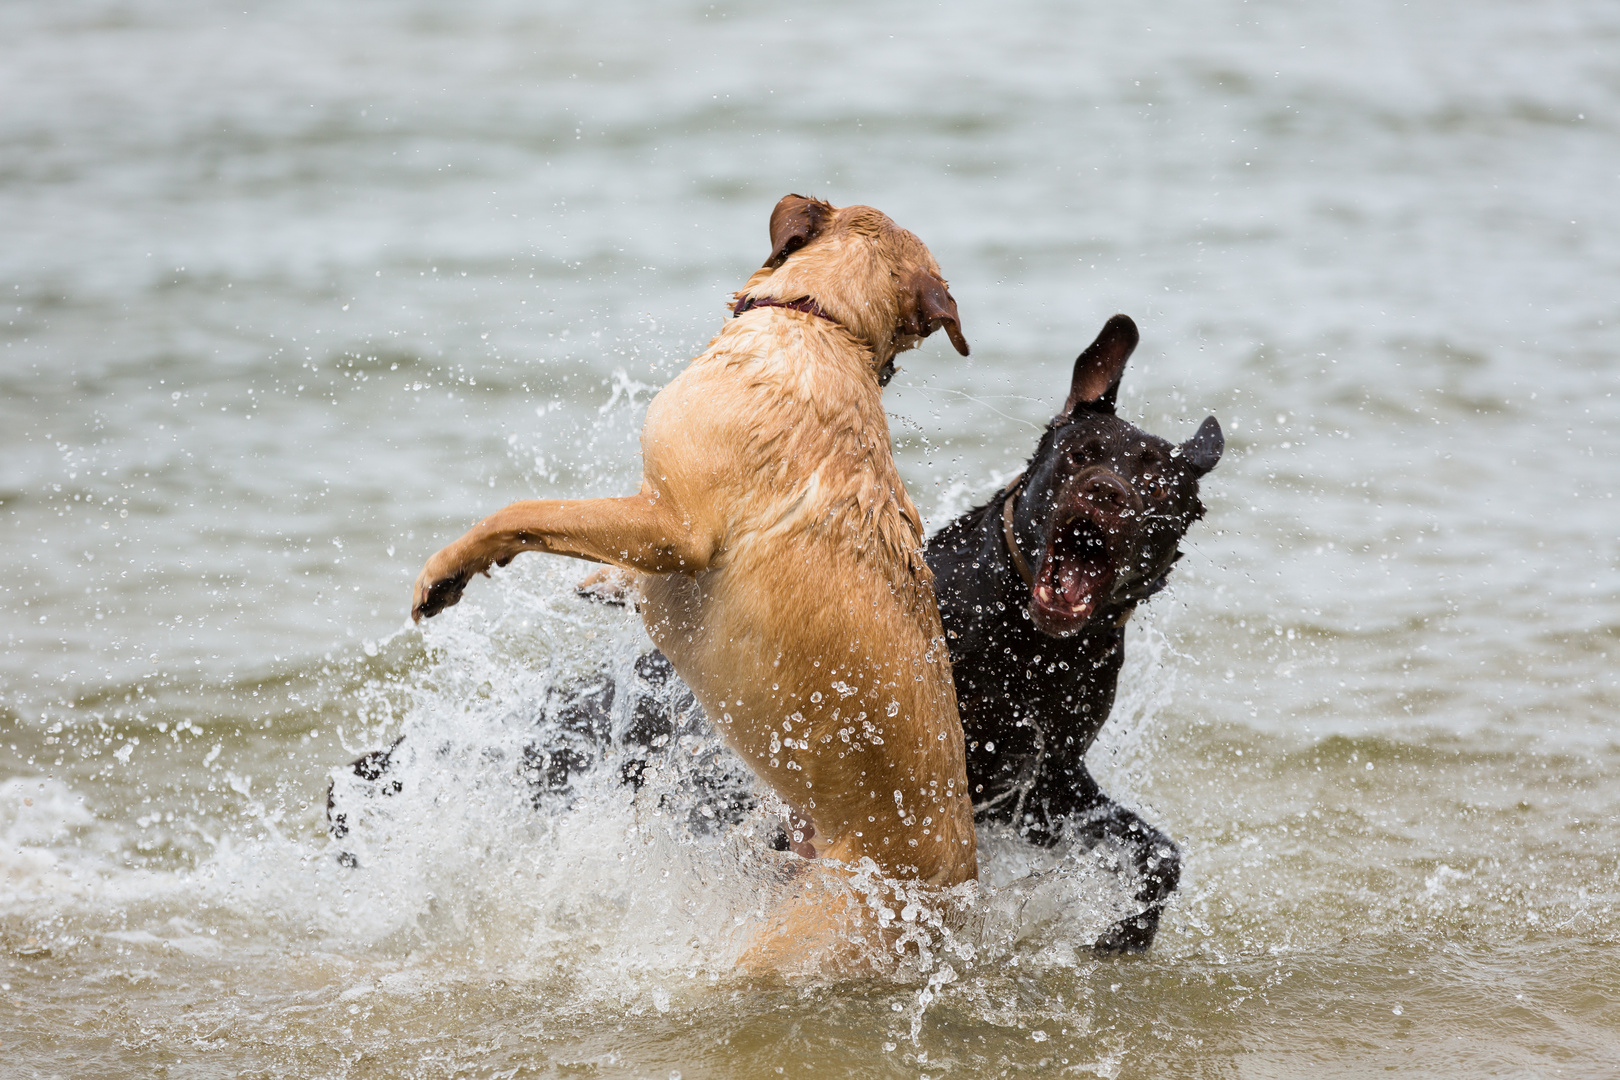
<point x="1157" y="485"/>
<point x="1088" y="450"/>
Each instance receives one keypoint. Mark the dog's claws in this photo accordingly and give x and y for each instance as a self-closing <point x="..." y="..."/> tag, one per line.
<point x="594" y="596"/>
<point x="441" y="594"/>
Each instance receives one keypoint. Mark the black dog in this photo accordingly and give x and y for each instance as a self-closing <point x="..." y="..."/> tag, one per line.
<point x="1036" y="646"/>
<point x="1035" y="588"/>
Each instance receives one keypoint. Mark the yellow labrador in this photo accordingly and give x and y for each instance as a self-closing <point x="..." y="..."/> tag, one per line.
<point x="780" y="560"/>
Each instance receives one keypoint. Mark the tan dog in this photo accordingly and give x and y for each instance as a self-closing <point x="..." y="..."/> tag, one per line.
<point x="781" y="559"/>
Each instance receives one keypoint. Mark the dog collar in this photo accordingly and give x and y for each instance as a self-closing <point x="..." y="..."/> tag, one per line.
<point x="1021" y="563"/>
<point x="806" y="305"/>
<point x="810" y="307"/>
<point x="1010" y="497"/>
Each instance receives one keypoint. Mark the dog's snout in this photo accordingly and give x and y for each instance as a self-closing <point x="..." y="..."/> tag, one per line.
<point x="1108" y="489"/>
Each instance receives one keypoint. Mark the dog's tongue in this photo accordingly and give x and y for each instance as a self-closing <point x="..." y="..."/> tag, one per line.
<point x="1071" y="586"/>
<point x="1080" y="584"/>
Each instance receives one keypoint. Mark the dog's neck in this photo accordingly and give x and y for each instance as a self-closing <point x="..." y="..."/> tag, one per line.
<point x="1010" y="535"/>
<point x="809" y="307"/>
<point x="806" y="305"/>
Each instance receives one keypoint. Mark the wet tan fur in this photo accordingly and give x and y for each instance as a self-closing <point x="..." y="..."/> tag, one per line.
<point x="781" y="566"/>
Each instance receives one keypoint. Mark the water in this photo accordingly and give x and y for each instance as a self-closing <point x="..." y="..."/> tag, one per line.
<point x="296" y="293"/>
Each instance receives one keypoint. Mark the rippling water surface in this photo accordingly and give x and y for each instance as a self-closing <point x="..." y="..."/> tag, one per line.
<point x="292" y="295"/>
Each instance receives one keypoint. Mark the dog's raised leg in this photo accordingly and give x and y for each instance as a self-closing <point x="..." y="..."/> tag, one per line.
<point x="643" y="532"/>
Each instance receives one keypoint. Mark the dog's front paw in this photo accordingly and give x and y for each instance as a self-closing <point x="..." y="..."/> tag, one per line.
<point x="439" y="586"/>
<point x="609" y="585"/>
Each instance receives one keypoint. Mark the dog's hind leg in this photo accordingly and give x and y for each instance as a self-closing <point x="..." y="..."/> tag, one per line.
<point x="822" y="927"/>
<point x="371" y="767"/>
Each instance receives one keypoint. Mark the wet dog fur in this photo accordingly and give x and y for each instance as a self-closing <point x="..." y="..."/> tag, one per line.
<point x="1035" y="588"/>
<point x="779" y="560"/>
<point x="1035" y="675"/>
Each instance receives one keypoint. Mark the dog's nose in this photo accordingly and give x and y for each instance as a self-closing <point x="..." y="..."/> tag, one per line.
<point x="1107" y="489"/>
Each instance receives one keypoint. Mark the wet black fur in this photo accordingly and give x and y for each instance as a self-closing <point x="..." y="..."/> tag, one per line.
<point x="1031" y="704"/>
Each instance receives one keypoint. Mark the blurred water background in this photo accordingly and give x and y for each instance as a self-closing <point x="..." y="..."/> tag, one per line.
<point x="293" y="294"/>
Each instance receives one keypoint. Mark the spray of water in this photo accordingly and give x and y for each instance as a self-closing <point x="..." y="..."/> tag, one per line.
<point x="528" y="825"/>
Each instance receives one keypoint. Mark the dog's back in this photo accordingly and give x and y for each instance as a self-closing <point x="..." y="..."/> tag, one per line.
<point x="813" y="638"/>
<point x="780" y="557"/>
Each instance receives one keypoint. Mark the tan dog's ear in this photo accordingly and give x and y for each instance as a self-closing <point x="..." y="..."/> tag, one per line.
<point x="794" y="223"/>
<point x="926" y="305"/>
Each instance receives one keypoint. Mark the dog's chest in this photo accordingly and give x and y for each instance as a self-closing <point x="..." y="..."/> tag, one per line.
<point x="1020" y="692"/>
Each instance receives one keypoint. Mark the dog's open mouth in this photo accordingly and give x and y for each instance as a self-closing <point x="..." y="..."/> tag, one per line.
<point x="1074" y="578"/>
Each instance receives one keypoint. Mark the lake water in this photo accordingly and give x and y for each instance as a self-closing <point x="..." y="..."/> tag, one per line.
<point x="292" y="295"/>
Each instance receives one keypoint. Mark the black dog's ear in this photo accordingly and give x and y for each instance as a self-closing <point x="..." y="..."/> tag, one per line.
<point x="926" y="305"/>
<point x="1203" y="450"/>
<point x="1097" y="371"/>
<point x="794" y="223"/>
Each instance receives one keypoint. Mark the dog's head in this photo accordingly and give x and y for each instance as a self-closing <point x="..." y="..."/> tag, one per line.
<point x="867" y="273"/>
<point x="1104" y="504"/>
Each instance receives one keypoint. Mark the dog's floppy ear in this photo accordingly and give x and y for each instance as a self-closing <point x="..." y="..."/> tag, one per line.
<point x="926" y="305"/>
<point x="794" y="223"/>
<point x="1095" y="383"/>
<point x="1203" y="450"/>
